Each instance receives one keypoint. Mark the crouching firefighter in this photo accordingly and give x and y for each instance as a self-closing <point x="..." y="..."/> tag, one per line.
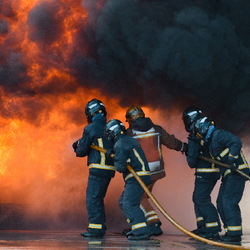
<point x="151" y="137"/>
<point x="101" y="168"/>
<point x="226" y="147"/>
<point x="128" y="151"/>
<point x="206" y="176"/>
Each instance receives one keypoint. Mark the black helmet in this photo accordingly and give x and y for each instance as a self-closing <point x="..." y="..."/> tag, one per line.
<point x="113" y="128"/>
<point x="93" y="107"/>
<point x="133" y="113"/>
<point x="190" y="115"/>
<point x="201" y="127"/>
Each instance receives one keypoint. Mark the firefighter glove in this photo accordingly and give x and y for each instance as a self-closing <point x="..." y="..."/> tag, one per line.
<point x="109" y="152"/>
<point x="74" y="145"/>
<point x="233" y="167"/>
<point x="184" y="147"/>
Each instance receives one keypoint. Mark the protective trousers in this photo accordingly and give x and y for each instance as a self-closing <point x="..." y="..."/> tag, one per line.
<point x="204" y="208"/>
<point x="147" y="209"/>
<point x="96" y="191"/>
<point x="230" y="194"/>
<point x="129" y="203"/>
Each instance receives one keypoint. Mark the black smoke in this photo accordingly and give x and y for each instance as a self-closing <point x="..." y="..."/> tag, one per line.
<point x="161" y="54"/>
<point x="168" y="53"/>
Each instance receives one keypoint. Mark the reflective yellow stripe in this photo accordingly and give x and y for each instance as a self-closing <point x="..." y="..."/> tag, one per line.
<point x="212" y="224"/>
<point x="207" y="170"/>
<point x="146" y="135"/>
<point x="139" y="159"/>
<point x="143" y="209"/>
<point x="243" y="158"/>
<point x="99" y="166"/>
<point x="224" y="152"/>
<point x="227" y="172"/>
<point x="234" y="228"/>
<point x="141" y="173"/>
<point x="235" y="157"/>
<point x="95" y="226"/>
<point x="153" y="218"/>
<point x="139" y="225"/>
<point x="242" y="166"/>
<point x="150" y="213"/>
<point x="100" y="144"/>
<point x="199" y="218"/>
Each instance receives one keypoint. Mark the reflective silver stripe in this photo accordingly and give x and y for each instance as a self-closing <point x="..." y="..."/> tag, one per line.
<point x="141" y="173"/>
<point x="154" y="165"/>
<point x="157" y="172"/>
<point x="96" y="226"/>
<point x="224" y="152"/>
<point x="99" y="166"/>
<point x="207" y="170"/>
<point x="234" y="228"/>
<point x="139" y="225"/>
<point x="213" y="224"/>
<point x="149" y="133"/>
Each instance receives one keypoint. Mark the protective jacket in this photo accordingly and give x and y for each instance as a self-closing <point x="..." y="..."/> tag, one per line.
<point x="151" y="137"/>
<point x="226" y="147"/>
<point x="207" y="175"/>
<point x="94" y="134"/>
<point x="204" y="169"/>
<point x="128" y="150"/>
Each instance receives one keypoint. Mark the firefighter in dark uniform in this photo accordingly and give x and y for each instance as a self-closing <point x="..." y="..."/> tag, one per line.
<point x="206" y="176"/>
<point x="101" y="169"/>
<point x="128" y="151"/>
<point x="226" y="147"/>
<point x="151" y="137"/>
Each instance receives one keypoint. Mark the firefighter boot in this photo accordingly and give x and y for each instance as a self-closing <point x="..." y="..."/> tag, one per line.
<point x="155" y="229"/>
<point x="138" y="237"/>
<point x="89" y="234"/>
<point x="228" y="238"/>
<point x="210" y="236"/>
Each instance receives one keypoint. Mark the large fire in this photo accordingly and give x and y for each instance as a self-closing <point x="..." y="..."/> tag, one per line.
<point x="42" y="114"/>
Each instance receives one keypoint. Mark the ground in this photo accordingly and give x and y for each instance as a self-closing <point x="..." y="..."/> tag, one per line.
<point x="14" y="239"/>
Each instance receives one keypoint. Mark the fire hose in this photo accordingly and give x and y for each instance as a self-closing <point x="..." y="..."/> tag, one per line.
<point x="223" y="165"/>
<point x="166" y="215"/>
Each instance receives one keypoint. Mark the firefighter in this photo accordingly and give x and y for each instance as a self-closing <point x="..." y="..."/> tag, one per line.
<point x="128" y="150"/>
<point x="101" y="168"/>
<point x="206" y="177"/>
<point x="226" y="147"/>
<point x="151" y="137"/>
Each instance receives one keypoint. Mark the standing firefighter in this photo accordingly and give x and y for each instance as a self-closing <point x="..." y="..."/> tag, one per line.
<point x="128" y="151"/>
<point x="206" y="176"/>
<point x="226" y="147"/>
<point x="101" y="169"/>
<point x="151" y="137"/>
